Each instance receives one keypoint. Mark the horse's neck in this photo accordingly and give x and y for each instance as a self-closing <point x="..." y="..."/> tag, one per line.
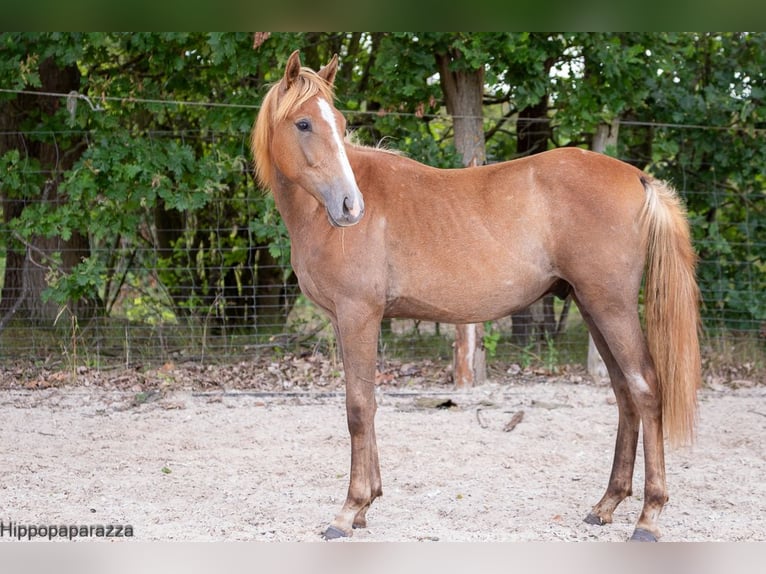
<point x="296" y="206"/>
<point x="370" y="166"/>
<point x="377" y="169"/>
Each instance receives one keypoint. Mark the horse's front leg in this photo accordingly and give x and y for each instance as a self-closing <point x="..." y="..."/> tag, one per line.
<point x="358" y="337"/>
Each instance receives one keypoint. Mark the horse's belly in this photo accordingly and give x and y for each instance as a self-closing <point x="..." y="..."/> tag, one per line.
<point x="465" y="301"/>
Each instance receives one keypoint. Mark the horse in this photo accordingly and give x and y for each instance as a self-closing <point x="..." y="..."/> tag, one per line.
<point x="375" y="234"/>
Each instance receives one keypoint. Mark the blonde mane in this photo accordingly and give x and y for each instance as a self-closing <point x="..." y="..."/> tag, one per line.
<point x="276" y="106"/>
<point x="354" y="140"/>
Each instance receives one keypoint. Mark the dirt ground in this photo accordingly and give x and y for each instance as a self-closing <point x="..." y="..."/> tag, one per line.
<point x="271" y="464"/>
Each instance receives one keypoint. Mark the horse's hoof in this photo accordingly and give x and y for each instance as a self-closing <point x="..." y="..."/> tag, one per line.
<point x="594" y="519"/>
<point x="642" y="535"/>
<point x="334" y="532"/>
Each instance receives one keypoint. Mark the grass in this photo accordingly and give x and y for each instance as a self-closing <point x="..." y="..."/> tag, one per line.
<point x="734" y="356"/>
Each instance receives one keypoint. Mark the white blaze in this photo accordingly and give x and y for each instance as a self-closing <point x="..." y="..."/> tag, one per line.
<point x="348" y="174"/>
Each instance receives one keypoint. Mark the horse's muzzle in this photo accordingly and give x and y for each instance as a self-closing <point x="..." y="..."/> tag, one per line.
<point x="349" y="212"/>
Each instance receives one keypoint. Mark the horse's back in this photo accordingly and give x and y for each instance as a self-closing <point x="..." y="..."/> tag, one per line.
<point x="577" y="173"/>
<point x="495" y="238"/>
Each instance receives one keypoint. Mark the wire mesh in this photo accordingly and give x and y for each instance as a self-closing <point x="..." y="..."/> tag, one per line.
<point x="222" y="289"/>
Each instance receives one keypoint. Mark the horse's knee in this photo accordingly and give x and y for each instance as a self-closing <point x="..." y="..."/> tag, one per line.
<point x="360" y="418"/>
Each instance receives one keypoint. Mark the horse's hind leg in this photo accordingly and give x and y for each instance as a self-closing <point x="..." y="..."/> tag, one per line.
<point x="621" y="478"/>
<point x="635" y="384"/>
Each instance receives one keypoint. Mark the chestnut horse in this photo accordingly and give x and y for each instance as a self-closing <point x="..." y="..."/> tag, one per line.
<point x="376" y="235"/>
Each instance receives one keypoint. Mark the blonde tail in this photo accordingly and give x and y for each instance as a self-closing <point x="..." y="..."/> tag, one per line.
<point x="672" y="309"/>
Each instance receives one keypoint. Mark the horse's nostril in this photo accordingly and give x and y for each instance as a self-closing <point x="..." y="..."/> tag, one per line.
<point x="352" y="207"/>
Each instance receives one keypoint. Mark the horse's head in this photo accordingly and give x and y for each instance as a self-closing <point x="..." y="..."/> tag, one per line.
<point x="298" y="137"/>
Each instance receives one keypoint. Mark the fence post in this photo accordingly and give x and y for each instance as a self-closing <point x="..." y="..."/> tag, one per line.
<point x="605" y="136"/>
<point x="470" y="366"/>
<point x="470" y="361"/>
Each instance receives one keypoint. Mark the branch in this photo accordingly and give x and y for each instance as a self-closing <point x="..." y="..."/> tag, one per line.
<point x="499" y="124"/>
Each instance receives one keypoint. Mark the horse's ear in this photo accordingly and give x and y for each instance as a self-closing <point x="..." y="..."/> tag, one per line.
<point x="328" y="72"/>
<point x="292" y="69"/>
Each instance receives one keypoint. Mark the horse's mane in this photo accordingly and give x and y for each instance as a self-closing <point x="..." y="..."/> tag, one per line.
<point x="382" y="146"/>
<point x="275" y="109"/>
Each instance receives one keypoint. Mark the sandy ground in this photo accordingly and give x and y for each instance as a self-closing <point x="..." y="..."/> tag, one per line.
<point x="247" y="465"/>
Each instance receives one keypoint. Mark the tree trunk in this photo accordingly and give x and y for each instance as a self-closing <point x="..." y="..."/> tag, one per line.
<point x="463" y="93"/>
<point x="169" y="225"/>
<point x="27" y="266"/>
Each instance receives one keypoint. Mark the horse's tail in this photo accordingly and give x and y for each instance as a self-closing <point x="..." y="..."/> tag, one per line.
<point x="672" y="309"/>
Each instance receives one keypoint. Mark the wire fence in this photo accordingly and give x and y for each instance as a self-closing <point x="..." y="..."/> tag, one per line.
<point x="222" y="290"/>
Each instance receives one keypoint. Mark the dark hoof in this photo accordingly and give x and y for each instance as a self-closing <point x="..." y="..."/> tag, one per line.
<point x="594" y="519"/>
<point x="332" y="533"/>
<point x="641" y="535"/>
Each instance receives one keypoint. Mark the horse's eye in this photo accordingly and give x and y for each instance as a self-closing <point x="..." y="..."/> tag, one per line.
<point x="303" y="125"/>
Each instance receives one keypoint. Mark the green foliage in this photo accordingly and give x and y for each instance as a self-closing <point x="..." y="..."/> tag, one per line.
<point x="717" y="80"/>
<point x="491" y="339"/>
<point x="83" y="282"/>
<point x="161" y="184"/>
<point x="269" y="229"/>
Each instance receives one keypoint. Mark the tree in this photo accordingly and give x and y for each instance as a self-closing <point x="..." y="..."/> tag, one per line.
<point x="33" y="252"/>
<point x="717" y="81"/>
<point x="140" y="180"/>
<point x="135" y="201"/>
